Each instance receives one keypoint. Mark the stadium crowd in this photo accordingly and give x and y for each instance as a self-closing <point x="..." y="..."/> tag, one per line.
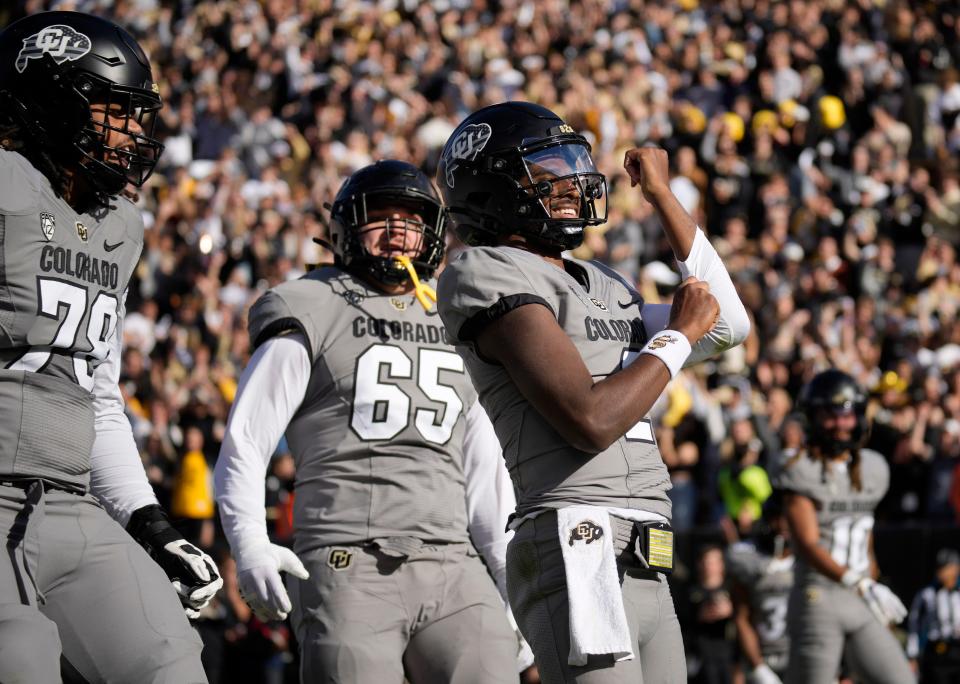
<point x="816" y="141"/>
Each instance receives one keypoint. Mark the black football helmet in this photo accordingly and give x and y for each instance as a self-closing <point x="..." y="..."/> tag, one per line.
<point x="833" y="390"/>
<point x="387" y="184"/>
<point x="504" y="168"/>
<point x="53" y="67"/>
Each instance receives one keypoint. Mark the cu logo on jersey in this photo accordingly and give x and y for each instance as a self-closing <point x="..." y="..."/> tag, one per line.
<point x="586" y="531"/>
<point x="61" y="42"/>
<point x="465" y="147"/>
<point x="599" y="303"/>
<point x="339" y="559"/>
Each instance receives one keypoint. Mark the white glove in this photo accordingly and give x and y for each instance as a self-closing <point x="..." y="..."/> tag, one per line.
<point x="260" y="583"/>
<point x="205" y="581"/>
<point x="883" y="603"/>
<point x="762" y="674"/>
<point x="192" y="572"/>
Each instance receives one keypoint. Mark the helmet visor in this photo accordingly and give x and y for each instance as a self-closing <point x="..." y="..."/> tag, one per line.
<point x="565" y="180"/>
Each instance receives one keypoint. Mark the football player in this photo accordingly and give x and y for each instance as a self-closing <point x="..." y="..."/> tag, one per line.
<point x="77" y="105"/>
<point x="397" y="466"/>
<point x="831" y="489"/>
<point x="568" y="359"/>
<point x="762" y="577"/>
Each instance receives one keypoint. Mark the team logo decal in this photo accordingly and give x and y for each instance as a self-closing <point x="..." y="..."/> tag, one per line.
<point x="398" y="304"/>
<point x="82" y="232"/>
<point x="465" y="147"/>
<point x="339" y="559"/>
<point x="586" y="531"/>
<point x="813" y="595"/>
<point x="600" y="304"/>
<point x="48" y="223"/>
<point x="661" y="341"/>
<point x="59" y="41"/>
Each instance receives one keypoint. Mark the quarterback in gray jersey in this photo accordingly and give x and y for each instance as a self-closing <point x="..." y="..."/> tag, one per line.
<point x="77" y="104"/>
<point x="762" y="574"/>
<point x="397" y="467"/>
<point x="831" y="489"/>
<point x="567" y="360"/>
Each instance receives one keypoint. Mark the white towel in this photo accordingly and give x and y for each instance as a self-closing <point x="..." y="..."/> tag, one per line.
<point x="598" y="624"/>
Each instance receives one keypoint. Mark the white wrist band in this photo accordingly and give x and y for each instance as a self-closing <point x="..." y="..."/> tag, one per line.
<point x="850" y="578"/>
<point x="671" y="347"/>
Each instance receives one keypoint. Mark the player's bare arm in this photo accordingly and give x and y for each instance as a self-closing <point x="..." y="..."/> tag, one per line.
<point x="805" y="534"/>
<point x="746" y="634"/>
<point x="649" y="168"/>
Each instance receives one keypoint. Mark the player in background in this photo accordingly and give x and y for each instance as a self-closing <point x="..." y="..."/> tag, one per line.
<point x="77" y="106"/>
<point x="761" y="572"/>
<point x="397" y="467"/>
<point x="567" y="359"/>
<point x="831" y="489"/>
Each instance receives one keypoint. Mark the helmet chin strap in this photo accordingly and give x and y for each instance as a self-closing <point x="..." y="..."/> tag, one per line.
<point x="424" y="292"/>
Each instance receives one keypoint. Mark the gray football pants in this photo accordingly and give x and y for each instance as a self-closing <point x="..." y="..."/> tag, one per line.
<point x="435" y="617"/>
<point x="537" y="585"/>
<point x="827" y="623"/>
<point x="72" y="581"/>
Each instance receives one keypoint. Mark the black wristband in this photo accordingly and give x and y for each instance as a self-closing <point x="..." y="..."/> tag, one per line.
<point x="151" y="527"/>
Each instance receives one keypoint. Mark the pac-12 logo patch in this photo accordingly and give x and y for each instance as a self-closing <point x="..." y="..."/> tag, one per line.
<point x="61" y="42"/>
<point x="339" y="559"/>
<point x="48" y="223"/>
<point x="465" y="147"/>
<point x="585" y="530"/>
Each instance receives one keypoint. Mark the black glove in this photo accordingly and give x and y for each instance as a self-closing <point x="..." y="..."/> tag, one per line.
<point x="192" y="572"/>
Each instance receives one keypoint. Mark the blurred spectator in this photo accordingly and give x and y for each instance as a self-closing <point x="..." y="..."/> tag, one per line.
<point x="710" y="647"/>
<point x="192" y="500"/>
<point x="742" y="482"/>
<point x="933" y="641"/>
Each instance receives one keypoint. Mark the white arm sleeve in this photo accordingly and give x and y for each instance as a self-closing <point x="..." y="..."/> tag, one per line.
<point x="490" y="498"/>
<point x="117" y="477"/>
<point x="271" y="390"/>
<point x="732" y="328"/>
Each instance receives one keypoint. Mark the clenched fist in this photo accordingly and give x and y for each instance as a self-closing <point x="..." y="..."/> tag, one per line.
<point x="649" y="168"/>
<point x="694" y="311"/>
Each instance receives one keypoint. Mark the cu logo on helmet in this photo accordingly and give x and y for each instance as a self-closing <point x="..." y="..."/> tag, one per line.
<point x="59" y="41"/>
<point x="465" y="147"/>
<point x="586" y="531"/>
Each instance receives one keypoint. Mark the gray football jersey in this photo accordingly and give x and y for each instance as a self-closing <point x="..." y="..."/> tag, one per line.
<point x="767" y="581"/>
<point x="601" y="315"/>
<point x="378" y="439"/>
<point x="844" y="515"/>
<point x="63" y="276"/>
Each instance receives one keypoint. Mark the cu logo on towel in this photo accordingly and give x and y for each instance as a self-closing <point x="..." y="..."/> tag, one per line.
<point x="586" y="530"/>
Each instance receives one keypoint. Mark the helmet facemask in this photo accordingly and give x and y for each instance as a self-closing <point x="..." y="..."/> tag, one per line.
<point x="118" y="146"/>
<point x="561" y="192"/>
<point x="827" y="441"/>
<point x="386" y="224"/>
